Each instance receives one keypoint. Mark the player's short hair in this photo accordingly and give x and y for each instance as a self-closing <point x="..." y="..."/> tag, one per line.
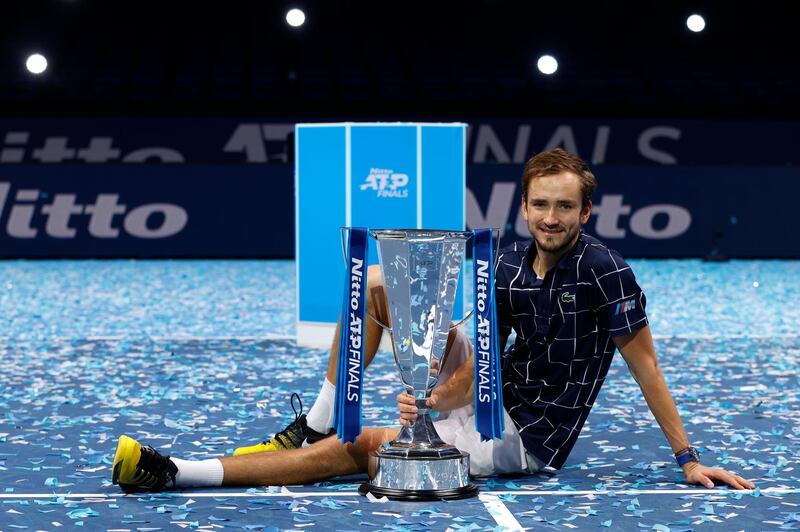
<point x="555" y="162"/>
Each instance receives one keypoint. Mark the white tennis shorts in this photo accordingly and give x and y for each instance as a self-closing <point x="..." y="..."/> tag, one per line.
<point x="458" y="428"/>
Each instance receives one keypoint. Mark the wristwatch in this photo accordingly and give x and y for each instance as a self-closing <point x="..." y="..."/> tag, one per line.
<point x="689" y="454"/>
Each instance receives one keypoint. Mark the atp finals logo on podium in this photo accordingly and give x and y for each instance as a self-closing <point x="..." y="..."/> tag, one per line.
<point x="386" y="183"/>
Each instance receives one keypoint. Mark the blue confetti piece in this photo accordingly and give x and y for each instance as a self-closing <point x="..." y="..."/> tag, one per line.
<point x="82" y="513"/>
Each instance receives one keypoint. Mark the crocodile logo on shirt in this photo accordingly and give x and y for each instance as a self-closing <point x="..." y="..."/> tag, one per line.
<point x="566" y="297"/>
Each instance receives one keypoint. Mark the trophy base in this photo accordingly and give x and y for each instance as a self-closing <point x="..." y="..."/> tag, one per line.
<point x="419" y="478"/>
<point x="465" y="492"/>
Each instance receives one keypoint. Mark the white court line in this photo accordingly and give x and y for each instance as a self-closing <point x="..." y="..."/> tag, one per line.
<point x="501" y="514"/>
<point x="259" y="338"/>
<point x="723" y="336"/>
<point x="688" y="491"/>
<point x="265" y="336"/>
<point x="270" y="336"/>
<point x="287" y="493"/>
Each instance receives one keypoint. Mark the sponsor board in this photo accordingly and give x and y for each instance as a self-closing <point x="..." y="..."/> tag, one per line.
<point x="646" y="141"/>
<point x="248" y="210"/>
<point x="116" y="187"/>
<point x="660" y="212"/>
<point x="145" y="211"/>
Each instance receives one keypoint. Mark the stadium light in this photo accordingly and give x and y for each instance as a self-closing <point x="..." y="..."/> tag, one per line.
<point x="696" y="23"/>
<point x="547" y="64"/>
<point x="36" y="64"/>
<point x="295" y="18"/>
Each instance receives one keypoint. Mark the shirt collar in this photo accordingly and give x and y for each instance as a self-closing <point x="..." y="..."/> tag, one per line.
<point x="570" y="256"/>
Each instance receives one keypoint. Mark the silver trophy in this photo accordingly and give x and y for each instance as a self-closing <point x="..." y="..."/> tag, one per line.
<point x="420" y="272"/>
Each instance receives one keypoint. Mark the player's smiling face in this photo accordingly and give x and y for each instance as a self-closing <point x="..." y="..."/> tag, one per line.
<point x="553" y="211"/>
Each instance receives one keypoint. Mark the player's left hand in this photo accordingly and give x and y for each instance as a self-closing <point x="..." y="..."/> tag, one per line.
<point x="697" y="473"/>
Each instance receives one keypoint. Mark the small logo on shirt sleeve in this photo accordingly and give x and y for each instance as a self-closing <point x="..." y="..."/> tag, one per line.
<point x="625" y="306"/>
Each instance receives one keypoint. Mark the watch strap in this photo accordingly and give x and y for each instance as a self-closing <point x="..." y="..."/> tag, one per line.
<point x="689" y="454"/>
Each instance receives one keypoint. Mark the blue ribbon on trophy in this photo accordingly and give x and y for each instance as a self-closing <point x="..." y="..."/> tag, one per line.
<point x="489" y="414"/>
<point x="350" y="368"/>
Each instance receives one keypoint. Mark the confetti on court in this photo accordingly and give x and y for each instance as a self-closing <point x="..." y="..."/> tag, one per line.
<point x="194" y="358"/>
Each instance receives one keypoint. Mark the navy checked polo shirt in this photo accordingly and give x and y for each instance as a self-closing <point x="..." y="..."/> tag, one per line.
<point x="563" y="349"/>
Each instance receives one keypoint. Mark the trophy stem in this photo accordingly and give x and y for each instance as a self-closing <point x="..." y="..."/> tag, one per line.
<point x="420" y="439"/>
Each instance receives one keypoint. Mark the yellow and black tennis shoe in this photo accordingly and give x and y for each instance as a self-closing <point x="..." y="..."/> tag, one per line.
<point x="297" y="434"/>
<point x="138" y="468"/>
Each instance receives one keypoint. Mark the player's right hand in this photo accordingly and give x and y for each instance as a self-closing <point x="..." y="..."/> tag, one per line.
<point x="407" y="406"/>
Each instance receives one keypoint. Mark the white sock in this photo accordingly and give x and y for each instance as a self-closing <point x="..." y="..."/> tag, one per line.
<point x="198" y="473"/>
<point x="320" y="417"/>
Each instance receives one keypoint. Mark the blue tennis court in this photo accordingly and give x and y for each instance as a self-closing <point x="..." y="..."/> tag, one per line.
<point x="198" y="357"/>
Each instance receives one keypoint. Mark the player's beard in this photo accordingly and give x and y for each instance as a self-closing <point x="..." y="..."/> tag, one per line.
<point x="557" y="243"/>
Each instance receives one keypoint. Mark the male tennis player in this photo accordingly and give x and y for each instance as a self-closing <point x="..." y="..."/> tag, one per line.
<point x="572" y="303"/>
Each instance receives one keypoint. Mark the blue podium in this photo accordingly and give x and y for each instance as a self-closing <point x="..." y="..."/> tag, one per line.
<point x="376" y="175"/>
